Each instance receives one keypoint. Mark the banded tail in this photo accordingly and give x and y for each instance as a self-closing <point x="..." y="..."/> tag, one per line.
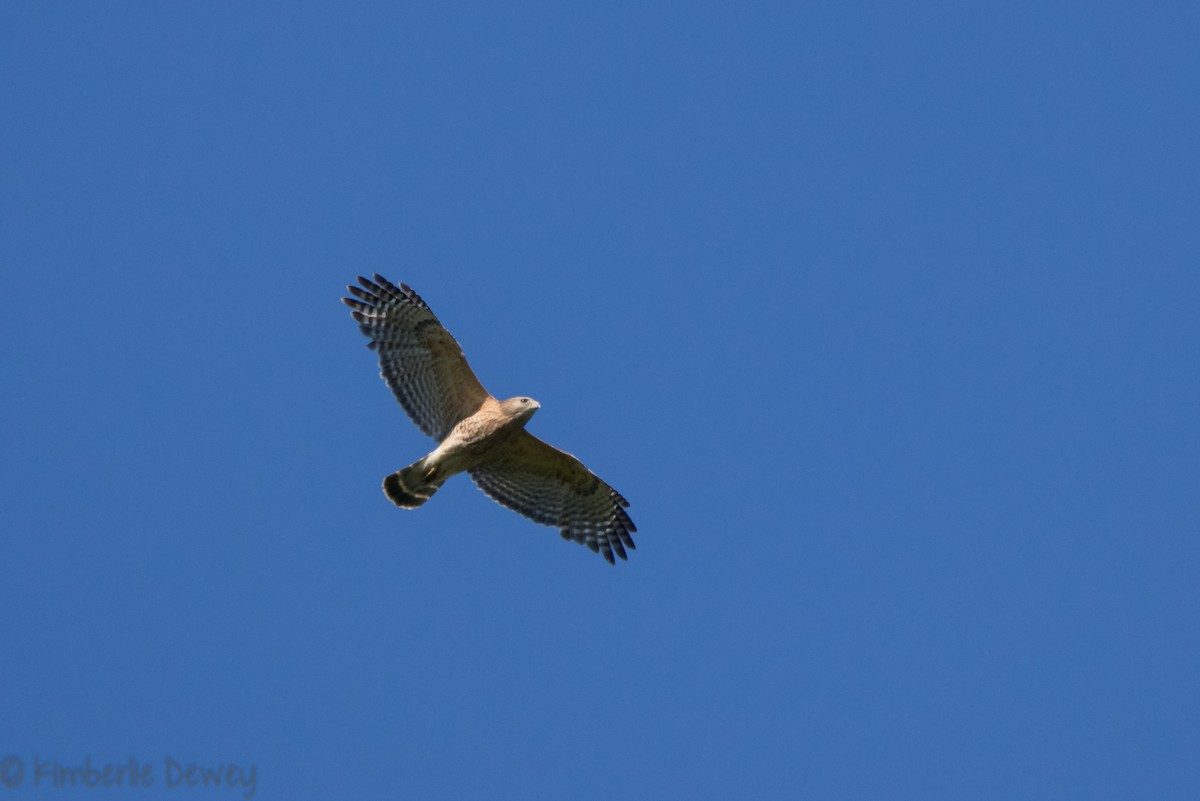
<point x="412" y="486"/>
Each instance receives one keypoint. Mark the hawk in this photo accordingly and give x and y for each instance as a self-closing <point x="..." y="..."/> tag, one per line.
<point x="476" y="433"/>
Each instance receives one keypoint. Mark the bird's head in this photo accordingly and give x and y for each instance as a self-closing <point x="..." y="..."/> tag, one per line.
<point x="520" y="407"/>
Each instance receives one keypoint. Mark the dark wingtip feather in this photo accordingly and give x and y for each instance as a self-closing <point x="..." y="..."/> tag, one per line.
<point x="395" y="291"/>
<point x="371" y="285"/>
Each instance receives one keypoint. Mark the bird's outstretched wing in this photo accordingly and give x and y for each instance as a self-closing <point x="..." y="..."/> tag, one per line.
<point x="421" y="362"/>
<point x="555" y="489"/>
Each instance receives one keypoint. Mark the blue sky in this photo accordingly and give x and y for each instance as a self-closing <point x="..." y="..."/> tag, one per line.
<point x="884" y="317"/>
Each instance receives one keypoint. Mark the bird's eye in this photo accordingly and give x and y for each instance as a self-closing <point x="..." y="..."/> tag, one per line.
<point x="524" y="400"/>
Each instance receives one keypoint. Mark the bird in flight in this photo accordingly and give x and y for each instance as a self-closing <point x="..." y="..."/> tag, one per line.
<point x="476" y="433"/>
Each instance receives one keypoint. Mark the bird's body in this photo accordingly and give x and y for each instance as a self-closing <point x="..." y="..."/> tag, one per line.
<point x="476" y="433"/>
<point x="465" y="448"/>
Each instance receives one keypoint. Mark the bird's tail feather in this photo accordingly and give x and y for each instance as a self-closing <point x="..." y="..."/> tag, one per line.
<point x="412" y="486"/>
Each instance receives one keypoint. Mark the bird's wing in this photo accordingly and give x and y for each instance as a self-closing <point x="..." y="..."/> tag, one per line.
<point x="555" y="489"/>
<point x="419" y="359"/>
